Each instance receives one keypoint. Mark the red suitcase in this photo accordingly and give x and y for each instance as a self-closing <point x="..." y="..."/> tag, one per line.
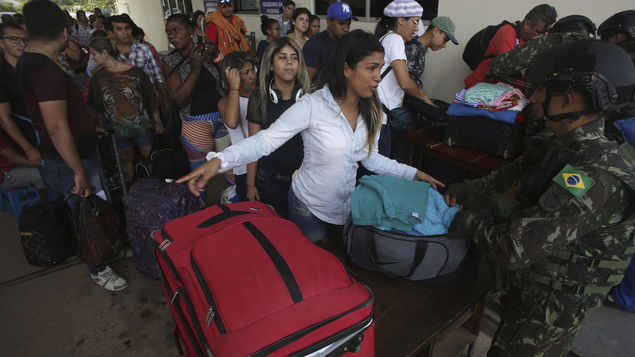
<point x="242" y="281"/>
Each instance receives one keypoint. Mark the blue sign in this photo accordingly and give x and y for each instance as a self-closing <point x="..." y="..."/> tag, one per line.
<point x="210" y="5"/>
<point x="268" y="7"/>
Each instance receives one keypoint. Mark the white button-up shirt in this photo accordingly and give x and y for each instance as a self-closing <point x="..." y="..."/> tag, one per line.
<point x="326" y="179"/>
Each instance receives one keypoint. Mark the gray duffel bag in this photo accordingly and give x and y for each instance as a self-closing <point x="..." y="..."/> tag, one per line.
<point x="414" y="258"/>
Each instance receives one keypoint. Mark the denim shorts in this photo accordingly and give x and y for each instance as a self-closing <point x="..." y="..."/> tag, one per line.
<point x="138" y="141"/>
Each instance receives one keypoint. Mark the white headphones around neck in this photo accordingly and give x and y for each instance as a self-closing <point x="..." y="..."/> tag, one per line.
<point x="274" y="94"/>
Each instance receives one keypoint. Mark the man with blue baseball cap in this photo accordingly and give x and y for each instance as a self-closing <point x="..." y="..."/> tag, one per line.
<point x="320" y="49"/>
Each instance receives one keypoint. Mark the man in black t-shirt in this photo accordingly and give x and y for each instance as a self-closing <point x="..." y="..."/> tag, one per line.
<point x="319" y="51"/>
<point x="13" y="114"/>
<point x="67" y="133"/>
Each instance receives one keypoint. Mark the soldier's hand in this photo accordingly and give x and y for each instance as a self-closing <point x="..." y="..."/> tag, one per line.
<point x="456" y="193"/>
<point x="465" y="223"/>
<point x="498" y="205"/>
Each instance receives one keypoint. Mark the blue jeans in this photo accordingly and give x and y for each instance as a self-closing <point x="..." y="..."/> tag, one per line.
<point x="241" y="187"/>
<point x="274" y="190"/>
<point x="402" y="120"/>
<point x="59" y="179"/>
<point x="312" y="227"/>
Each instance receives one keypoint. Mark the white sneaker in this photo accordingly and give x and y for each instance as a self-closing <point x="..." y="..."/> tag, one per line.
<point x="109" y="280"/>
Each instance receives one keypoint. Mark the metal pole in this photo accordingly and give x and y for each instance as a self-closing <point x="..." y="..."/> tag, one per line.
<point x="122" y="177"/>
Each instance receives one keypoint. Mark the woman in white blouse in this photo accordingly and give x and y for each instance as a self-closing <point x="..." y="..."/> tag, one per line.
<point x="339" y="126"/>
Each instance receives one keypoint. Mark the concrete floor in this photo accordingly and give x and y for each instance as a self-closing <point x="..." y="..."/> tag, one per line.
<point x="60" y="312"/>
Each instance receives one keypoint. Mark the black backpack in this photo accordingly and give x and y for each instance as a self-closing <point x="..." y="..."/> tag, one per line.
<point x="164" y="162"/>
<point x="474" y="51"/>
<point x="45" y="235"/>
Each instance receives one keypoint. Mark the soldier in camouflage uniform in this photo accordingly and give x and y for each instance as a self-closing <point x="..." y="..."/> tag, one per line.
<point x="620" y="30"/>
<point x="511" y="66"/>
<point x="562" y="223"/>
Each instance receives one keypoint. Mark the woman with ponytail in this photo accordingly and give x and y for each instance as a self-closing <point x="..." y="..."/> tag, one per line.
<point x="398" y="25"/>
<point x="270" y="28"/>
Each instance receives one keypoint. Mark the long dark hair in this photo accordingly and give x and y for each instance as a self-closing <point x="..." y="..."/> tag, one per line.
<point x="100" y="44"/>
<point x="195" y="16"/>
<point x="352" y="48"/>
<point x="385" y="24"/>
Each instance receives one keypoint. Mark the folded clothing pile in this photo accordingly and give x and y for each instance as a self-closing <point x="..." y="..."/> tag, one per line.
<point x="495" y="101"/>
<point x="402" y="206"/>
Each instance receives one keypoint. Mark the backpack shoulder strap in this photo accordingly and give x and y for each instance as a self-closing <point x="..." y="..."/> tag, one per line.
<point x="517" y="29"/>
<point x="387" y="70"/>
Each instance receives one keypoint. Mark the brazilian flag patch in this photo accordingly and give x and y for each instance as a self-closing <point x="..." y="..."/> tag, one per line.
<point x="573" y="180"/>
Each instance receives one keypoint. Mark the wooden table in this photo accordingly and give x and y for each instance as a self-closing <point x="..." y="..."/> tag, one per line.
<point x="429" y="141"/>
<point x="414" y="319"/>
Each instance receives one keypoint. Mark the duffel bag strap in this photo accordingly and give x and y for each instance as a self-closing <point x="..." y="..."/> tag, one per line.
<point x="420" y="253"/>
<point x="421" y="248"/>
<point x="570" y="288"/>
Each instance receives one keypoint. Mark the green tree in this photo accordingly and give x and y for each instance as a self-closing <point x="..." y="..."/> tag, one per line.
<point x="92" y="4"/>
<point x="8" y="7"/>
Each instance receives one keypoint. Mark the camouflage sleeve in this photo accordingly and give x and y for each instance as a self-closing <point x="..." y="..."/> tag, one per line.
<point x="533" y="233"/>
<point x="506" y="178"/>
<point x="514" y="63"/>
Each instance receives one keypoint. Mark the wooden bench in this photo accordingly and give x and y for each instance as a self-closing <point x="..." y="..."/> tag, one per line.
<point x="415" y="319"/>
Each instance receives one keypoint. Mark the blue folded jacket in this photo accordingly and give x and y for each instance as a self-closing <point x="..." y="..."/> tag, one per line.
<point x="436" y="221"/>
<point x="462" y="110"/>
<point x="389" y="201"/>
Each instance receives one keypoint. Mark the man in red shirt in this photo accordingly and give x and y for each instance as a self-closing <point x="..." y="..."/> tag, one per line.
<point x="537" y="22"/>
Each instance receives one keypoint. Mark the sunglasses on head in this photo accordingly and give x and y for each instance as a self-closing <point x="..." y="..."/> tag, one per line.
<point x="225" y="1"/>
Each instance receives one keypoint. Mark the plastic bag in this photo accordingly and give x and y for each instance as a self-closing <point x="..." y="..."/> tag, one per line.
<point x="98" y="230"/>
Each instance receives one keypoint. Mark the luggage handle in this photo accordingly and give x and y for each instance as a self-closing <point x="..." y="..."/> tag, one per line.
<point x="220" y="217"/>
<point x="226" y="214"/>
<point x="353" y="345"/>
